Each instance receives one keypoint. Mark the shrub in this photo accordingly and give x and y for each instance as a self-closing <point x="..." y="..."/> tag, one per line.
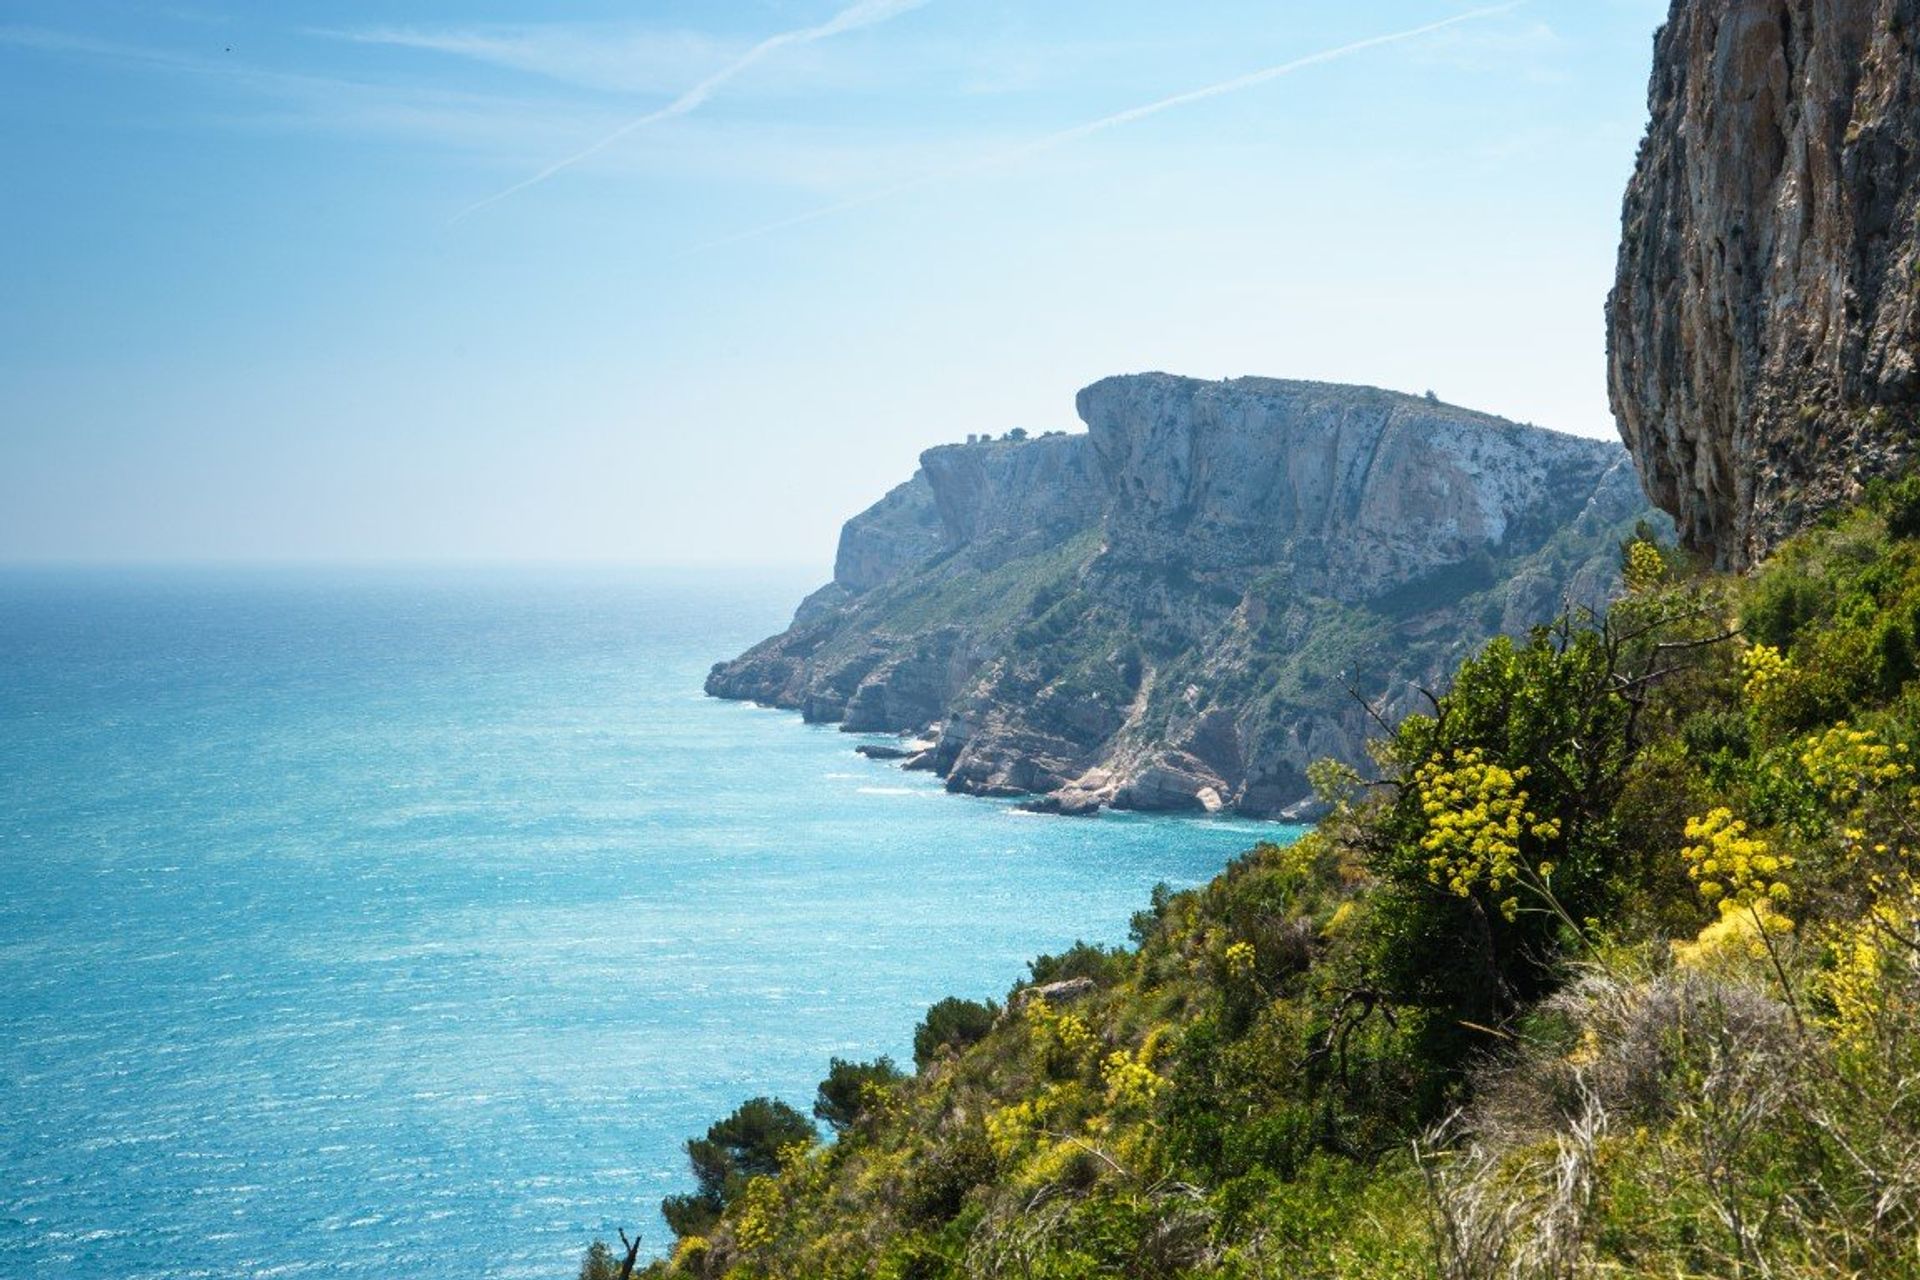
<point x="1893" y="654"/>
<point x="850" y="1089"/>
<point x="743" y="1146"/>
<point x="1081" y="960"/>
<point x="1900" y="500"/>
<point x="599" y="1263"/>
<point x="938" y="1184"/>
<point x="1779" y="604"/>
<point x="1145" y="924"/>
<point x="1061" y="1040"/>
<point x="1642" y="567"/>
<point x="1494" y="847"/>
<point x="953" y="1023"/>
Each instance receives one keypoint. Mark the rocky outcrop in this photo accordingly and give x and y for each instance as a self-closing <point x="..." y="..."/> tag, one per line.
<point x="1017" y="495"/>
<point x="1173" y="610"/>
<point x="1354" y="489"/>
<point x="888" y="538"/>
<point x="1066" y="991"/>
<point x="1764" y="329"/>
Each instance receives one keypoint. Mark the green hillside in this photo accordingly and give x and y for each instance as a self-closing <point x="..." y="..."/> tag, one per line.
<point x="1615" y="973"/>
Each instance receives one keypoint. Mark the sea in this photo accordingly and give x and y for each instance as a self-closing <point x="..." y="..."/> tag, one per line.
<point x="373" y="923"/>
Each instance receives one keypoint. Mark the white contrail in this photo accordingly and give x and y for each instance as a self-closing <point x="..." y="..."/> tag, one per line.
<point x="1074" y="134"/>
<point x="861" y="13"/>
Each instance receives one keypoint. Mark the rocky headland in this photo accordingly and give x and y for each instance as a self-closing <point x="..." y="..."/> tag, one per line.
<point x="1177" y="609"/>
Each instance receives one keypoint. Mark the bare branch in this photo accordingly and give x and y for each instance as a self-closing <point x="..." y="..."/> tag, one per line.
<point x="1372" y="713"/>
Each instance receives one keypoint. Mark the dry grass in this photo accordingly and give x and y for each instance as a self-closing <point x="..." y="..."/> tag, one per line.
<point x="1519" y="1181"/>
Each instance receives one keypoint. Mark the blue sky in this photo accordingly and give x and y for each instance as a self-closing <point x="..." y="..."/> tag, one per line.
<point x="262" y="303"/>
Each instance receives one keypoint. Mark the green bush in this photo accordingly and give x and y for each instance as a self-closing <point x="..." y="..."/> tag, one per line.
<point x="953" y="1023"/>
<point x="1081" y="960"/>
<point x="599" y="1263"/>
<point x="744" y="1145"/>
<point x="849" y="1089"/>
<point x="1780" y="604"/>
<point x="1900" y="501"/>
<point x="941" y="1178"/>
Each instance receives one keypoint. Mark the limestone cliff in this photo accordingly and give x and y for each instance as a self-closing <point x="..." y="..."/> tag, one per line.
<point x="1764" y="330"/>
<point x="1168" y="611"/>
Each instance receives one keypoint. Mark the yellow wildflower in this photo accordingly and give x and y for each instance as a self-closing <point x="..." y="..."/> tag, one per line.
<point x="1844" y="761"/>
<point x="1131" y="1083"/>
<point x="1241" y="960"/>
<point x="1476" y="812"/>
<point x="1764" y="670"/>
<point x="759" y="1221"/>
<point x="1731" y="867"/>
<point x="1645" y="567"/>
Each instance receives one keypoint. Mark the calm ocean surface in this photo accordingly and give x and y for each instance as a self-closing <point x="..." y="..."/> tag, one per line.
<point x="358" y="923"/>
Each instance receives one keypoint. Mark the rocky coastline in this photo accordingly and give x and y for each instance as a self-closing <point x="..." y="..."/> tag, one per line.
<point x="1183" y="607"/>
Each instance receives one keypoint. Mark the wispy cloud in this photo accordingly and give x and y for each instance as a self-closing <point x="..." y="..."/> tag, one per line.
<point x="613" y="57"/>
<point x="788" y="152"/>
<point x="862" y="13"/>
<point x="1077" y="132"/>
<point x="1535" y="50"/>
<point x="45" y="40"/>
<point x="310" y="102"/>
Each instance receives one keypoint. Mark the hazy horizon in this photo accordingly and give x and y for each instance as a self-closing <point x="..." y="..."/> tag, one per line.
<point x="401" y="565"/>
<point x="574" y="284"/>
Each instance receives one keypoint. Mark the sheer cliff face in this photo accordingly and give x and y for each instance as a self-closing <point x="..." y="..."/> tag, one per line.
<point x="894" y="534"/>
<point x="1355" y="489"/>
<point x="1167" y="612"/>
<point x="1764" y="328"/>
<point x="1015" y="495"/>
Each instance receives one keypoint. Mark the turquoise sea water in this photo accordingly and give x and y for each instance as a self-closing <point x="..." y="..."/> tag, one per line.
<point x="357" y="923"/>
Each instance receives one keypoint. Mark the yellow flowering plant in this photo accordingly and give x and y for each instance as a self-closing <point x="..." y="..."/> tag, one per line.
<point x="1061" y="1040"/>
<point x="1764" y="672"/>
<point x="1643" y="567"/>
<point x="1503" y="799"/>
<point x="1844" y="762"/>
<point x="757" y="1224"/>
<point x="1131" y="1083"/>
<point x="1477" y="817"/>
<point x="1868" y="783"/>
<point x="1242" y="962"/>
<point x="691" y="1253"/>
<point x="1732" y="867"/>
<point x="1012" y="1128"/>
<point x="1740" y="873"/>
<point x="1853" y="985"/>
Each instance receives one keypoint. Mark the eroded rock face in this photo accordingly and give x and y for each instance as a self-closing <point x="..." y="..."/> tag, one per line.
<point x="1020" y="495"/>
<point x="1764" y="328"/>
<point x="1354" y="488"/>
<point x="888" y="538"/>
<point x="1168" y="611"/>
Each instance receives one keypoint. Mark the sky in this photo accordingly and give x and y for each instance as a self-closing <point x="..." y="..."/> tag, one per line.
<point x="693" y="282"/>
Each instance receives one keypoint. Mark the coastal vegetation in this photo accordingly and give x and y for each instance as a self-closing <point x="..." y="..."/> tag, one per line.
<point x="1608" y="962"/>
<point x="1613" y="969"/>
